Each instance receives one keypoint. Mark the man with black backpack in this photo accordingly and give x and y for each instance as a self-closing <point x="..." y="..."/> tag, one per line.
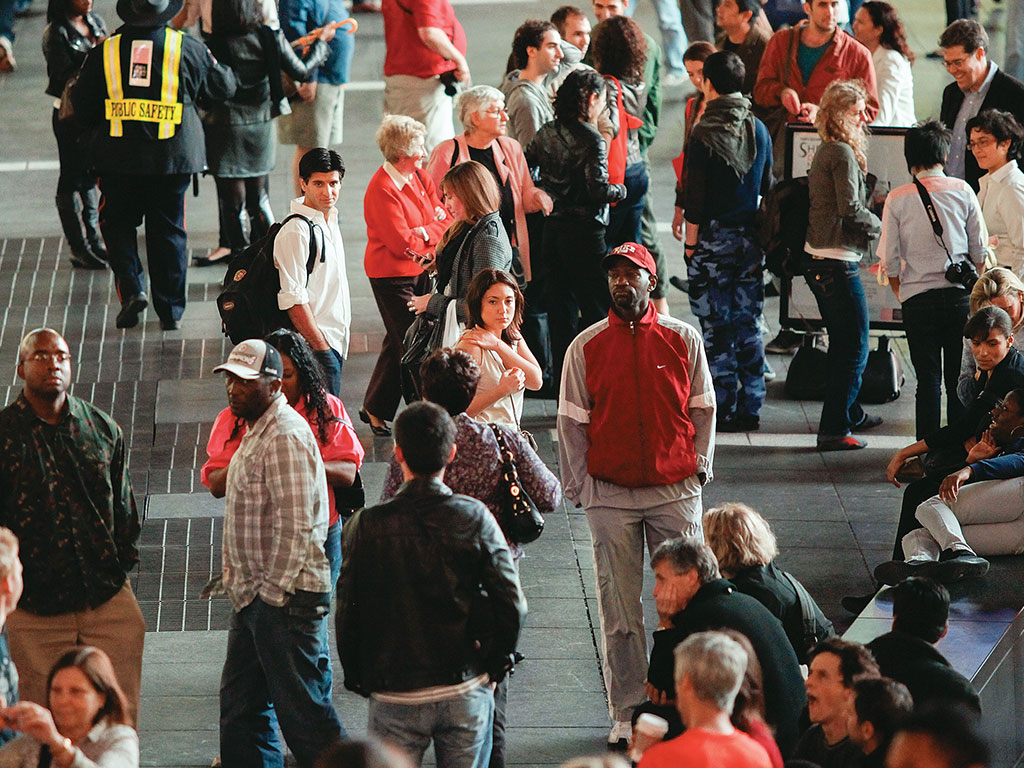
<point x="316" y="300"/>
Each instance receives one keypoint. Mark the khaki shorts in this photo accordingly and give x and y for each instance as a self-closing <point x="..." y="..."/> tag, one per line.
<point x="317" y="123"/>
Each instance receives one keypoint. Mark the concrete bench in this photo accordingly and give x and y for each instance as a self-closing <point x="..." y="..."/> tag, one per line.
<point x="985" y="644"/>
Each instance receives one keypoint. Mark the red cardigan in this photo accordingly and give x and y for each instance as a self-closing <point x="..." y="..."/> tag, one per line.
<point x="391" y="214"/>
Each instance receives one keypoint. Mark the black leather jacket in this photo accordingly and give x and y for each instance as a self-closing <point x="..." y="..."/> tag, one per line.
<point x="428" y="593"/>
<point x="573" y="162"/>
<point x="251" y="56"/>
<point x="64" y="49"/>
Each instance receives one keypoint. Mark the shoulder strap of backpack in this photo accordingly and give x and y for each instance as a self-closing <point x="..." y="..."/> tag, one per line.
<point x="311" y="259"/>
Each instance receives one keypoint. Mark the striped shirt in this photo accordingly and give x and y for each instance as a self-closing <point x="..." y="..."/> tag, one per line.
<point x="275" y="522"/>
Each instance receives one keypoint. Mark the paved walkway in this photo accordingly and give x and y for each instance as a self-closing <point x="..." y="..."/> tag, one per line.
<point x="833" y="514"/>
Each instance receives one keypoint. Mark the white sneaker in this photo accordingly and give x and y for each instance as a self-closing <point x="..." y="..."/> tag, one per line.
<point x="622" y="731"/>
<point x="7" y="63"/>
<point x="674" y="79"/>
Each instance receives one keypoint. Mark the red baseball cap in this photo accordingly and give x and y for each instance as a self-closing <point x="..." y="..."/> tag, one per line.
<point x="636" y="253"/>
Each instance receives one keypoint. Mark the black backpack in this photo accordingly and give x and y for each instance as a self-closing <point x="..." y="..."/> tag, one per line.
<point x="782" y="226"/>
<point x="248" y="299"/>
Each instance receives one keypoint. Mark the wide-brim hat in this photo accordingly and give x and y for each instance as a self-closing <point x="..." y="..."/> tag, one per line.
<point x="148" y="13"/>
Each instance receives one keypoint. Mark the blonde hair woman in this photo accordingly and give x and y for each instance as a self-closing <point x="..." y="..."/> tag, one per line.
<point x="476" y="239"/>
<point x="999" y="287"/>
<point x="839" y="232"/>
<point x="746" y="549"/>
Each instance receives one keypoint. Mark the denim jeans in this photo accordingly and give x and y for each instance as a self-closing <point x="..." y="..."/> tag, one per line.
<point x="837" y="289"/>
<point x="331" y="361"/>
<point x="673" y="38"/>
<point x="624" y="221"/>
<point x="277" y="671"/>
<point x="460" y="728"/>
<point x="332" y="548"/>
<point x="7" y="19"/>
<point x="1014" y="40"/>
<point x="934" y="321"/>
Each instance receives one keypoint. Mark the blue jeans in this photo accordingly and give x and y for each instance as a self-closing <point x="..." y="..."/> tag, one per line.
<point x="460" y="728"/>
<point x="331" y="361"/>
<point x="277" y="671"/>
<point x="624" y="221"/>
<point x="7" y="19"/>
<point x="934" y="321"/>
<point x="332" y="548"/>
<point x="673" y="38"/>
<point x="837" y="289"/>
<point x="1014" y="40"/>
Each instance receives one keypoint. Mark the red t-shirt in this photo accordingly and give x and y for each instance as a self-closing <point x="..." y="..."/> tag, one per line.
<point x="698" y="748"/>
<point x="342" y="443"/>
<point x="405" y="53"/>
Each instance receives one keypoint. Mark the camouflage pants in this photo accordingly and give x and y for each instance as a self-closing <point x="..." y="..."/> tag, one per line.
<point x="727" y="296"/>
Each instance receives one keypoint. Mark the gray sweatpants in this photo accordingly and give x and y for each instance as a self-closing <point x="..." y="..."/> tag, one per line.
<point x="618" y="537"/>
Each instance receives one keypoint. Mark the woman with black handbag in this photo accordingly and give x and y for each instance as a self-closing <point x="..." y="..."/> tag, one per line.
<point x="241" y="138"/>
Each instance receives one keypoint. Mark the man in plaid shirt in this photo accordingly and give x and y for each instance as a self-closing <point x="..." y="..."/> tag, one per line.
<point x="275" y="571"/>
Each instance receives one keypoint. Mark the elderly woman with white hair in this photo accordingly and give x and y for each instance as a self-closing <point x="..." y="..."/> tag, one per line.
<point x="404" y="222"/>
<point x="483" y="115"/>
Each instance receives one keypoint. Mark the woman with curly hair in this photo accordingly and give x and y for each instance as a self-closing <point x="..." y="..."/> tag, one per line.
<point x="878" y="27"/>
<point x="620" y="52"/>
<point x="573" y="161"/>
<point x="304" y="386"/>
<point x="839" y="232"/>
<point x="995" y="140"/>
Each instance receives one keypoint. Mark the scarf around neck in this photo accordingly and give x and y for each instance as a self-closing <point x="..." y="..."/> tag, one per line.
<point x="727" y="130"/>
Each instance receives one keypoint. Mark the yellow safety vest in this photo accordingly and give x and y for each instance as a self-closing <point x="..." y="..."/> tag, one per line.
<point x="167" y="111"/>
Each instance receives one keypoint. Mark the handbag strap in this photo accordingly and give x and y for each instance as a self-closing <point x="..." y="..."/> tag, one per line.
<point x="509" y="471"/>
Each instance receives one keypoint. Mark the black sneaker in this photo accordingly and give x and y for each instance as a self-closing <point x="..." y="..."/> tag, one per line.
<point x="954" y="565"/>
<point x="86" y="260"/>
<point x="132" y="307"/>
<point x="739" y="423"/>
<point x="856" y="604"/>
<point x="785" y="342"/>
<point x="895" y="571"/>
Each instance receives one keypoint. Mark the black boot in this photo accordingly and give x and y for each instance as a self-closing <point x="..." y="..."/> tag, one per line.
<point x="91" y="220"/>
<point x="67" y="210"/>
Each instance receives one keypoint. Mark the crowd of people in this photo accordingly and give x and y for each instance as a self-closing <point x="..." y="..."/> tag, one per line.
<point x="521" y="256"/>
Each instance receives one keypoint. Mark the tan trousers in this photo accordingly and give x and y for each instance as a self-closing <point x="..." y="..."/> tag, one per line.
<point x="115" y="627"/>
<point x="423" y="99"/>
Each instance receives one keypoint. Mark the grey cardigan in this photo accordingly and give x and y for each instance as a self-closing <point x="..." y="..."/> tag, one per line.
<point x="485" y="247"/>
<point x="837" y="187"/>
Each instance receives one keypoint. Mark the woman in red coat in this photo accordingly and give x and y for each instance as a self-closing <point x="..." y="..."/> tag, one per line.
<point x="404" y="219"/>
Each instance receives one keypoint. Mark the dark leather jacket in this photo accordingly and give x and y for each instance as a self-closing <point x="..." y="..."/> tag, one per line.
<point x="428" y="594"/>
<point x="573" y="162"/>
<point x="250" y="57"/>
<point x="64" y="49"/>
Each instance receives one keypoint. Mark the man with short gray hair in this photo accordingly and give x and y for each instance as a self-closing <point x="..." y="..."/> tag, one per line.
<point x="691" y="597"/>
<point x="709" y="669"/>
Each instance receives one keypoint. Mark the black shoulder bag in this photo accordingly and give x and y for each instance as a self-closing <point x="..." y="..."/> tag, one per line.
<point x="522" y="522"/>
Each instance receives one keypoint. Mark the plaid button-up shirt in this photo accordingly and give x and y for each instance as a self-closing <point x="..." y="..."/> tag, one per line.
<point x="275" y="522"/>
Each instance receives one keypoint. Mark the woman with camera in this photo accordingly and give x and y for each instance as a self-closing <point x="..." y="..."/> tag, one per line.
<point x="932" y="268"/>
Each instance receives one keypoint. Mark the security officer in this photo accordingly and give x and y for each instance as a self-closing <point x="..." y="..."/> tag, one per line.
<point x="137" y="94"/>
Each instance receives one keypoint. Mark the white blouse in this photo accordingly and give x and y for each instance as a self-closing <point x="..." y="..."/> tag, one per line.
<point x="895" y="85"/>
<point x="1001" y="195"/>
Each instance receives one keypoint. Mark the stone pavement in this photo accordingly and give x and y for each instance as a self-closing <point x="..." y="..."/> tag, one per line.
<point x="833" y="513"/>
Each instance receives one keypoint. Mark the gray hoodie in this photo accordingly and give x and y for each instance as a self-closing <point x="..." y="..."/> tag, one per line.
<point x="528" y="107"/>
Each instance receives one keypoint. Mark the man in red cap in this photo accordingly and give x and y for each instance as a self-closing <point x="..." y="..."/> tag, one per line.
<point x="636" y="424"/>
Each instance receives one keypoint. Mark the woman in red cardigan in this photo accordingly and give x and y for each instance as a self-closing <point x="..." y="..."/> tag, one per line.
<point x="404" y="216"/>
